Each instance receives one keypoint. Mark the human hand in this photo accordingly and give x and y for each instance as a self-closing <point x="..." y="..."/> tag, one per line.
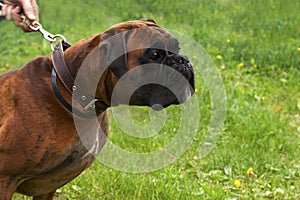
<point x="12" y="10"/>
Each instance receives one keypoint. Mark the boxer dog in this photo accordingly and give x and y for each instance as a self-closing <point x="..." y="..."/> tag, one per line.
<point x="40" y="145"/>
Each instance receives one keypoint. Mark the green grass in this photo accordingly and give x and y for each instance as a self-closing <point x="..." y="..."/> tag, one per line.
<point x="255" y="45"/>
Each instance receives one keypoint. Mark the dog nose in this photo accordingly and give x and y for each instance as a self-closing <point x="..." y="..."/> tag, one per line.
<point x="179" y="59"/>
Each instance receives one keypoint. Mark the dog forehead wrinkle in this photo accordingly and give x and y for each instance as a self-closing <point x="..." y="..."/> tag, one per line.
<point x="158" y="44"/>
<point x="169" y="40"/>
<point x="140" y="32"/>
<point x="158" y="41"/>
<point x="130" y="25"/>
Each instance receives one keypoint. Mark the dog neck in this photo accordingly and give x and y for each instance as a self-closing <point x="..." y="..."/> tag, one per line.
<point x="75" y="55"/>
<point x="86" y="58"/>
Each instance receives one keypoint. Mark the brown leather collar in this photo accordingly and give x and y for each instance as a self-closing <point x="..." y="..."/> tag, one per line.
<point x="92" y="106"/>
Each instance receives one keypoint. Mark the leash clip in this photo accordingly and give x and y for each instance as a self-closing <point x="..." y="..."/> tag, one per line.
<point x="36" y="26"/>
<point x="90" y="105"/>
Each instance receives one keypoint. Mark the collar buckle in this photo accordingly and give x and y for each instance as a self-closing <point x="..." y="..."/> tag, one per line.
<point x="90" y="105"/>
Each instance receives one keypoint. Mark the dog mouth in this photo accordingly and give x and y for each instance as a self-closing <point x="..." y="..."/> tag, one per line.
<point x="161" y="56"/>
<point x="174" y="83"/>
<point x="182" y="65"/>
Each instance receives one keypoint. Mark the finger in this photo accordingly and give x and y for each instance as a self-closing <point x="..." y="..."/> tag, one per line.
<point x="3" y="10"/>
<point x="25" y="27"/>
<point x="18" y="20"/>
<point x="8" y="12"/>
<point x="28" y="9"/>
<point x="16" y="17"/>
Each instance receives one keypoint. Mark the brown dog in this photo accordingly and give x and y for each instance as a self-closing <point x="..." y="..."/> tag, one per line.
<point x="40" y="147"/>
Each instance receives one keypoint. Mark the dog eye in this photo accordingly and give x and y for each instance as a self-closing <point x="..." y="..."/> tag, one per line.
<point x="155" y="54"/>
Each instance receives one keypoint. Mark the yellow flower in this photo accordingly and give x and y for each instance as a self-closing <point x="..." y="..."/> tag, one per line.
<point x="6" y="65"/>
<point x="219" y="57"/>
<point x="298" y="49"/>
<point x="241" y="64"/>
<point x="194" y="57"/>
<point x="196" y="90"/>
<point x="249" y="171"/>
<point x="228" y="40"/>
<point x="2" y="69"/>
<point x="237" y="183"/>
<point x="262" y="187"/>
<point x="254" y="66"/>
<point x="182" y="168"/>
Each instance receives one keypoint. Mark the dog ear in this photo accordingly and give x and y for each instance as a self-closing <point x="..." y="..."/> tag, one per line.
<point x="149" y="20"/>
<point x="116" y="55"/>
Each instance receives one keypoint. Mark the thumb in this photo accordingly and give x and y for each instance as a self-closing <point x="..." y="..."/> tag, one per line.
<point x="30" y="10"/>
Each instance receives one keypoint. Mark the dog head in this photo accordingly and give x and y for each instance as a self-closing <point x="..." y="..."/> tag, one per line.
<point x="144" y="65"/>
